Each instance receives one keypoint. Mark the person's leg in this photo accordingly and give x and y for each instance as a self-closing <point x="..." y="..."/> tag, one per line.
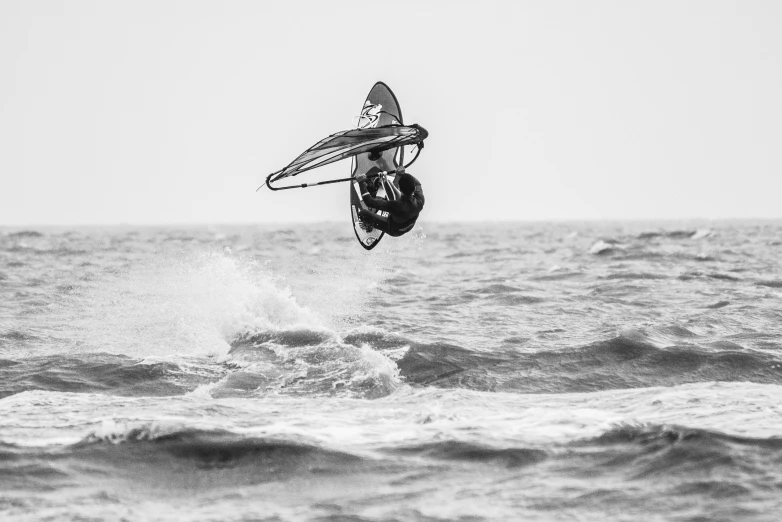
<point x="373" y="219"/>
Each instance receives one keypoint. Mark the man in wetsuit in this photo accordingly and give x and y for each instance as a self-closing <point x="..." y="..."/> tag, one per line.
<point x="402" y="211"/>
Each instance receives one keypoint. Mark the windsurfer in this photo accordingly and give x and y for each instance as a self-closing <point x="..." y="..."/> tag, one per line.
<point x="402" y="211"/>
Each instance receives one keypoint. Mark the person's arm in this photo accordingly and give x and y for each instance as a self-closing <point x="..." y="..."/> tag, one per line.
<point x="374" y="202"/>
<point x="415" y="181"/>
<point x="418" y="192"/>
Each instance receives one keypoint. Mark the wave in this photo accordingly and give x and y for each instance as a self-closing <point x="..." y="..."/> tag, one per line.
<point x="294" y="363"/>
<point x="162" y="462"/>
<point x="631" y="360"/>
<point x="460" y="255"/>
<point x="297" y="361"/>
<point x="656" y="436"/>
<point x="46" y="249"/>
<point x="517" y="299"/>
<point x="101" y="373"/>
<point x="497" y="288"/>
<point x="605" y="247"/>
<point x="771" y="284"/>
<point x="372" y="364"/>
<point x="378" y="339"/>
<point x="634" y="275"/>
<point x="448" y="365"/>
<point x="674" y="454"/>
<point x="558" y="276"/>
<point x="699" y="257"/>
<point x="452" y="450"/>
<point x="694" y="274"/>
<point x="499" y="293"/>
<point x="649" y="451"/>
<point x="16" y="335"/>
<point x="212" y="449"/>
<point x="675" y="234"/>
<point x="291" y="338"/>
<point x="640" y="247"/>
<point x="25" y="233"/>
<point x="309" y="362"/>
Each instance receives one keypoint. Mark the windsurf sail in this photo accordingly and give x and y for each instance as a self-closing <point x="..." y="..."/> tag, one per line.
<point x="346" y="144"/>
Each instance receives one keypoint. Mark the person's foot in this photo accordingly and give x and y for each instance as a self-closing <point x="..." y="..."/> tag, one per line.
<point x="366" y="227"/>
<point x="365" y="224"/>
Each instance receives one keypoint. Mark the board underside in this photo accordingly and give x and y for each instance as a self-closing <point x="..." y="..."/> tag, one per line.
<point x="380" y="108"/>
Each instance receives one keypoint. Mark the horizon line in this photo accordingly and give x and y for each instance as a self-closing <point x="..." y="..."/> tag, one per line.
<point x="434" y="222"/>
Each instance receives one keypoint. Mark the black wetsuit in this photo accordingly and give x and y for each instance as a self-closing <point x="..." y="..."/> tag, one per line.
<point x="402" y="213"/>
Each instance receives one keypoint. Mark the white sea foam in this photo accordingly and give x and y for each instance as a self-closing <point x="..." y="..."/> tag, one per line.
<point x="187" y="305"/>
<point x="408" y="416"/>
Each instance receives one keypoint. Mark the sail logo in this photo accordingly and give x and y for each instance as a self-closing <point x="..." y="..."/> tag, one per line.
<point x="370" y="116"/>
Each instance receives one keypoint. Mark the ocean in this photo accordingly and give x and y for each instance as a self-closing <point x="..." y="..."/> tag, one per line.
<point x="488" y="371"/>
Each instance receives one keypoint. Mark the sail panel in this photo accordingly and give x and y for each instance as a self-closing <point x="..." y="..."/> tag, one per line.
<point x="351" y="143"/>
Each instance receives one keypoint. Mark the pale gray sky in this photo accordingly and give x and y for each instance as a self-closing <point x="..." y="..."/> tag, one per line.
<point x="175" y="111"/>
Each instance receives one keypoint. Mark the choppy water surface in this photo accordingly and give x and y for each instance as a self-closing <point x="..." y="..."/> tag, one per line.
<point x="467" y="372"/>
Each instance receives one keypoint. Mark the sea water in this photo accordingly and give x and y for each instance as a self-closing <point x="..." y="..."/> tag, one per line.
<point x="497" y="371"/>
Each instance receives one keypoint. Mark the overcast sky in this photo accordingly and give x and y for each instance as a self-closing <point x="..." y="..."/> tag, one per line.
<point x="155" y="112"/>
